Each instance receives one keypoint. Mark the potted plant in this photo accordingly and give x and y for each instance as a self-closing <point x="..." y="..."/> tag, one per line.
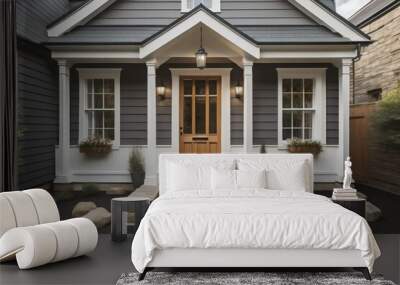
<point x="304" y="146"/>
<point x="95" y="146"/>
<point x="136" y="168"/>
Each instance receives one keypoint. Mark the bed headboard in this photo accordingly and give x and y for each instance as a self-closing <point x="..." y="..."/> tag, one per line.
<point x="214" y="158"/>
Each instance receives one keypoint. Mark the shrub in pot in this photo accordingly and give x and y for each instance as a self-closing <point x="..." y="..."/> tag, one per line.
<point x="136" y="168"/>
<point x="304" y="146"/>
<point x="95" y="146"/>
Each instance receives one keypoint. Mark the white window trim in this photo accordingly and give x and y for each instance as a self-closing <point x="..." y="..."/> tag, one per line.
<point x="216" y="6"/>
<point x="319" y="100"/>
<point x="95" y="73"/>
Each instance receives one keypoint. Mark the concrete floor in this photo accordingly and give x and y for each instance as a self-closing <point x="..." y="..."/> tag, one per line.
<point x="110" y="260"/>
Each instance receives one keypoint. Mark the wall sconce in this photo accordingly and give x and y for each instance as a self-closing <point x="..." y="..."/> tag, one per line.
<point x="238" y="90"/>
<point x="161" y="91"/>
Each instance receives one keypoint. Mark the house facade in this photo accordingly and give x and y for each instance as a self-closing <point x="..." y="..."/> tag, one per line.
<point x="378" y="69"/>
<point x="128" y="72"/>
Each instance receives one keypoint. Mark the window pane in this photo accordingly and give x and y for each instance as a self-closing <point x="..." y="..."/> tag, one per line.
<point x="297" y="119"/>
<point x="187" y="87"/>
<point x="308" y="85"/>
<point x="298" y="133"/>
<point x="297" y="100"/>
<point x="90" y="86"/>
<point x="90" y="133"/>
<point x="187" y="117"/>
<point x="108" y="86"/>
<point x="287" y="134"/>
<point x="90" y="120"/>
<point x="98" y="119"/>
<point x="98" y="133"/>
<point x="213" y="115"/>
<point x="308" y="98"/>
<point x="287" y="100"/>
<point x="98" y="101"/>
<point x="287" y="119"/>
<point x="200" y="87"/>
<point x="308" y="134"/>
<point x="98" y="86"/>
<point x="308" y="119"/>
<point x="297" y="85"/>
<point x="109" y="119"/>
<point x="109" y="134"/>
<point x="287" y="85"/>
<point x="89" y="100"/>
<point x="212" y="87"/>
<point x="200" y="115"/>
<point x="109" y="101"/>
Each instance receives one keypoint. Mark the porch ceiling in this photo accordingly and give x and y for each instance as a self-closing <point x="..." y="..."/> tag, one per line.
<point x="186" y="44"/>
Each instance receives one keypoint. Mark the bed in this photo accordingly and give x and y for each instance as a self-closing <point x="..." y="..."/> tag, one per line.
<point x="247" y="210"/>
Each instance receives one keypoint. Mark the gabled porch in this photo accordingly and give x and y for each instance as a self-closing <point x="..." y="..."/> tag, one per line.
<point x="144" y="119"/>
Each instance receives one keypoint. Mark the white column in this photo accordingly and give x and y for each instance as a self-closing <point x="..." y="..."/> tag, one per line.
<point x="151" y="161"/>
<point x="344" y="114"/>
<point x="247" y="106"/>
<point x="64" y="171"/>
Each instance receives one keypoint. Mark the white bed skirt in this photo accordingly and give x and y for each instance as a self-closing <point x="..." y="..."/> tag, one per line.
<point x="177" y="257"/>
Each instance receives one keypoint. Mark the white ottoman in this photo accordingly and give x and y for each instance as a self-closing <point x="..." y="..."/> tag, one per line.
<point x="31" y="232"/>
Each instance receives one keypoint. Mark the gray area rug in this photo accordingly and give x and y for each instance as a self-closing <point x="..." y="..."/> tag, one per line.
<point x="243" y="278"/>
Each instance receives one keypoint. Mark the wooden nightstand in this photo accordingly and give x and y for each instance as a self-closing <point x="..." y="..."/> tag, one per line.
<point x="355" y="205"/>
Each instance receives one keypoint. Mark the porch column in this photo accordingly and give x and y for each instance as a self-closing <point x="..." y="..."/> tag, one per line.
<point x="344" y="113"/>
<point x="247" y="106"/>
<point x="151" y="161"/>
<point x="63" y="175"/>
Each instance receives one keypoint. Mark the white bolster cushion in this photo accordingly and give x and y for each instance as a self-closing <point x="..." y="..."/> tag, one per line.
<point x="37" y="245"/>
<point x="7" y="219"/>
<point x="46" y="208"/>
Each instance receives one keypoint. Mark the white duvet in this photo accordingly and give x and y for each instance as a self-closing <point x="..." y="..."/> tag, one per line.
<point x="250" y="219"/>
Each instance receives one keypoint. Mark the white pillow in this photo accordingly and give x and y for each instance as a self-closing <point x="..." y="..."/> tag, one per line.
<point x="182" y="177"/>
<point x="223" y="179"/>
<point x="282" y="174"/>
<point x="251" y="178"/>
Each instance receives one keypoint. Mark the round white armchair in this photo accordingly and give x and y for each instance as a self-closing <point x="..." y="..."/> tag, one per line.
<point x="31" y="230"/>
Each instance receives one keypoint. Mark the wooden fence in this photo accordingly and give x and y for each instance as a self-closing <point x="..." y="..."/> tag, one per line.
<point x="373" y="165"/>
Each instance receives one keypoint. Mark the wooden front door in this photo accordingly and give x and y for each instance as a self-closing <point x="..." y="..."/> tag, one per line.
<point x="200" y="115"/>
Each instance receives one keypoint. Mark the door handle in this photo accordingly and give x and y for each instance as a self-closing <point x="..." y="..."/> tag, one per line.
<point x="180" y="130"/>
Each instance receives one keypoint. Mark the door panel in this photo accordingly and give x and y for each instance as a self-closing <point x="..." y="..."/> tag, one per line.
<point x="200" y="115"/>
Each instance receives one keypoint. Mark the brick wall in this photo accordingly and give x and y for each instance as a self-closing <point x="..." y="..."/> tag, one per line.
<point x="379" y="66"/>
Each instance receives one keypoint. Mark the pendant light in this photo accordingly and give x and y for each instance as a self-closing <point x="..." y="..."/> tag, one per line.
<point x="201" y="55"/>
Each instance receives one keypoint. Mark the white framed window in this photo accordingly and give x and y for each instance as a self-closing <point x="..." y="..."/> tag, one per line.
<point x="99" y="104"/>
<point x="301" y="104"/>
<point x="213" y="5"/>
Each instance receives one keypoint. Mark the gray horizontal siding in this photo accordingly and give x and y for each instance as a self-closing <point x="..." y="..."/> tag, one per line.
<point x="133" y="102"/>
<point x="34" y="16"/>
<point x="37" y="115"/>
<point x="265" y="102"/>
<point x="157" y="12"/>
<point x="332" y="106"/>
<point x="236" y="109"/>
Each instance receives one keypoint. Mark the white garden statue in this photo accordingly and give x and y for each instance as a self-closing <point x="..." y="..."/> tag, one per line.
<point x="347" y="174"/>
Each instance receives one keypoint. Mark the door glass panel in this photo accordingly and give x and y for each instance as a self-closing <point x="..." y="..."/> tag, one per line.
<point x="212" y="87"/>
<point x="200" y="87"/>
<point x="187" y="115"/>
<point x="213" y="115"/>
<point x="187" y="87"/>
<point x="200" y="115"/>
